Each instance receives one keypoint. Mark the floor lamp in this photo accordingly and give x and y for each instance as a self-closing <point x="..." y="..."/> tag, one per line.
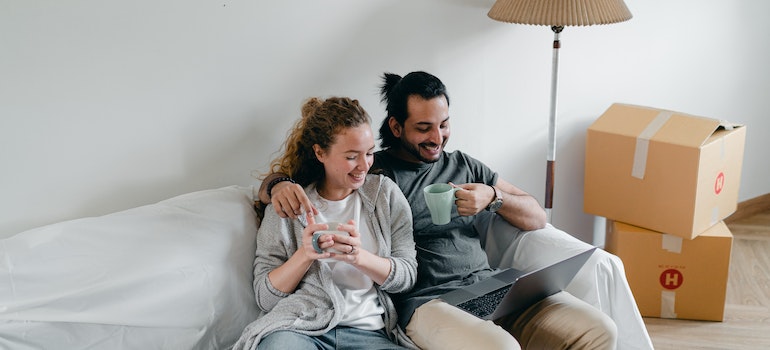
<point x="557" y="14"/>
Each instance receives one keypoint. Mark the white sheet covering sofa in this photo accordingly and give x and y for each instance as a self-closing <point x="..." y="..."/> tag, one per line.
<point x="172" y="275"/>
<point x="177" y="275"/>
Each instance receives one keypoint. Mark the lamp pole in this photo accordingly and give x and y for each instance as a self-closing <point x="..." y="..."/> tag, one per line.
<point x="551" y="156"/>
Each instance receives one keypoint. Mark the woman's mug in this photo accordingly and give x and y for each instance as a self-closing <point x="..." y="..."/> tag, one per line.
<point x="331" y="231"/>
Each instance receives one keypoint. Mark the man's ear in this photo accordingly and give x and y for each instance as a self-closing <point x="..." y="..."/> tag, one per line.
<point x="395" y="127"/>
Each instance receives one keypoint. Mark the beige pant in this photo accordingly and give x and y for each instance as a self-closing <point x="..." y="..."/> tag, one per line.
<point x="560" y="321"/>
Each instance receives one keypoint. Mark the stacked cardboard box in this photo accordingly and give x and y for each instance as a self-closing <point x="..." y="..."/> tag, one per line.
<point x="666" y="180"/>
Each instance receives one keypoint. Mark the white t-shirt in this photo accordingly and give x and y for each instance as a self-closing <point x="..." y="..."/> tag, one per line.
<point x="362" y="309"/>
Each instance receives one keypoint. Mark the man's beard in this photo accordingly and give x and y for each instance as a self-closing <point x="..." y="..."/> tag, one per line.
<point x="415" y="150"/>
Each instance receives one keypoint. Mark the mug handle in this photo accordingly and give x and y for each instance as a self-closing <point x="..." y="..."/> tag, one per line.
<point x="454" y="192"/>
<point x="315" y="242"/>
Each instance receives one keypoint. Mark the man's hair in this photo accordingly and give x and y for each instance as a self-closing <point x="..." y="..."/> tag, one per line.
<point x="395" y="92"/>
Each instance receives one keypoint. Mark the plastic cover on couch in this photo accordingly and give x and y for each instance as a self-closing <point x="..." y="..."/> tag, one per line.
<point x="601" y="282"/>
<point x="172" y="275"/>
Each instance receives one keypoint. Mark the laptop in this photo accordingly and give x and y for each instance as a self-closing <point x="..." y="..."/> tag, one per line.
<point x="513" y="291"/>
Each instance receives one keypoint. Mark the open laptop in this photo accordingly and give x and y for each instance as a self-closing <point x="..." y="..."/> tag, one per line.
<point x="513" y="291"/>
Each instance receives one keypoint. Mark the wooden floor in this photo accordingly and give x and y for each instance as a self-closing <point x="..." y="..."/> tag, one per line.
<point x="747" y="308"/>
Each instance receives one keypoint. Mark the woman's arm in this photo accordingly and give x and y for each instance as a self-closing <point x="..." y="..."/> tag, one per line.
<point x="403" y="259"/>
<point x="278" y="266"/>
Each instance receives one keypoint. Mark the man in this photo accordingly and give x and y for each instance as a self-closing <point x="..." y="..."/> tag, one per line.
<point x="413" y="137"/>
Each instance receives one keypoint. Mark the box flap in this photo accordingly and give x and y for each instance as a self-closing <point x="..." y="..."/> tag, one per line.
<point x="658" y="125"/>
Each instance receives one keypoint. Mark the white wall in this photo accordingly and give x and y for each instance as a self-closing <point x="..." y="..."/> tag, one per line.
<point x="106" y="105"/>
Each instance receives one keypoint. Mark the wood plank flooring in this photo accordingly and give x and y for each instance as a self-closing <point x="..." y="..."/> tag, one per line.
<point x="747" y="308"/>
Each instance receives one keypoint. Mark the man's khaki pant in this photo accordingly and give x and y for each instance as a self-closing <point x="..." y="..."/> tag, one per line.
<point x="560" y="321"/>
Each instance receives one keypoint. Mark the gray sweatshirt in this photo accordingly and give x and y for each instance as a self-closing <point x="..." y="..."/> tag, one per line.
<point x="314" y="307"/>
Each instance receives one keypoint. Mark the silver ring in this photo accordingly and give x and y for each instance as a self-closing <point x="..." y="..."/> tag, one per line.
<point x="352" y="250"/>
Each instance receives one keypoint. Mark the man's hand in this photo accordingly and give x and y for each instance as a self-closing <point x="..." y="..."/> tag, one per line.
<point x="290" y="201"/>
<point x="473" y="198"/>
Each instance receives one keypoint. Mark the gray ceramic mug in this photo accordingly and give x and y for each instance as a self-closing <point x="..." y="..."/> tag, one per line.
<point x="333" y="231"/>
<point x="440" y="198"/>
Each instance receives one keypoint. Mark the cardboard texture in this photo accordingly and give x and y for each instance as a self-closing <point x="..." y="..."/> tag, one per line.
<point x="673" y="277"/>
<point x="662" y="170"/>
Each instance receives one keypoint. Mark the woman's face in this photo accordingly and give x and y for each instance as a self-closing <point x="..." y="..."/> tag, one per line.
<point x="346" y="162"/>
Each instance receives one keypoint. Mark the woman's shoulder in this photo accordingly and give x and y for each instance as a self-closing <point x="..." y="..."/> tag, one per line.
<point x="377" y="186"/>
<point x="379" y="180"/>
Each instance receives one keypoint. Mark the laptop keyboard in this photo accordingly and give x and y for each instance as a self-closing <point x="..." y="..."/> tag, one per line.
<point x="484" y="305"/>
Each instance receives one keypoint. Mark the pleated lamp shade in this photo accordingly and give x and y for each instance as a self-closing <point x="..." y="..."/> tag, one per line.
<point x="560" y="12"/>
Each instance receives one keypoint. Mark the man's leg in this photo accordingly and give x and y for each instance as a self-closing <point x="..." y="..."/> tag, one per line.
<point x="438" y="325"/>
<point x="601" y="282"/>
<point x="562" y="321"/>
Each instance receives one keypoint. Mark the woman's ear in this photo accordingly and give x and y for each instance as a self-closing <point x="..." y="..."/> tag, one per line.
<point x="319" y="152"/>
<point x="395" y="127"/>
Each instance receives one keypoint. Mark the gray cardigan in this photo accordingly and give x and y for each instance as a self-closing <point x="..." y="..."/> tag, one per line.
<point x="313" y="308"/>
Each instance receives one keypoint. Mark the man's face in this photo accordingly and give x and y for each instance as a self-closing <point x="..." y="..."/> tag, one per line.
<point x="425" y="131"/>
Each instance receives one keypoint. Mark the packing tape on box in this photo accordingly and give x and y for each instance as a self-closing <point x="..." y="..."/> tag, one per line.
<point x="667" y="301"/>
<point x="671" y="243"/>
<point x="643" y="143"/>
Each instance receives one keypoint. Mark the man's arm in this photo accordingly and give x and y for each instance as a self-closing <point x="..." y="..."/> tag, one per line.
<point x="288" y="198"/>
<point x="263" y="196"/>
<point x="519" y="208"/>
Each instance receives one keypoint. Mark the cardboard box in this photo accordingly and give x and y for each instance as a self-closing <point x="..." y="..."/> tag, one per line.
<point x="672" y="277"/>
<point x="665" y="171"/>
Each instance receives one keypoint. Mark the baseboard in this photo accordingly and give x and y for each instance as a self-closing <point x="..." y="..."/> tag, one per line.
<point x="750" y="207"/>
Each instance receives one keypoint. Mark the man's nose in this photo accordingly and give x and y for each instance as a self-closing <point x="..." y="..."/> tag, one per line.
<point x="436" y="137"/>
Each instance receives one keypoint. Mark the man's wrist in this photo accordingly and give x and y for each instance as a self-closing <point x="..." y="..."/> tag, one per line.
<point x="275" y="181"/>
<point x="497" y="200"/>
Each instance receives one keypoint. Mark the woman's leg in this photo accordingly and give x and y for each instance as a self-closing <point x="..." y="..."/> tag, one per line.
<point x="356" y="339"/>
<point x="438" y="325"/>
<point x="282" y="340"/>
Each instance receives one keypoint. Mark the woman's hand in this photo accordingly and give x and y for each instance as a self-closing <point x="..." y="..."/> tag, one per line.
<point x="349" y="245"/>
<point x="324" y="241"/>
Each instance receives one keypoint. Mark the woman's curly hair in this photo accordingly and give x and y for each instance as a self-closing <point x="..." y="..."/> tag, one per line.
<point x="321" y="121"/>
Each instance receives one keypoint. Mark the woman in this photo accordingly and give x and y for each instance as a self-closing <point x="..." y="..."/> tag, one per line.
<point x="337" y="298"/>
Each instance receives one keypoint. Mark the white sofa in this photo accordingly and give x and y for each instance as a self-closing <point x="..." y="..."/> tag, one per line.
<point x="172" y="275"/>
<point x="177" y="275"/>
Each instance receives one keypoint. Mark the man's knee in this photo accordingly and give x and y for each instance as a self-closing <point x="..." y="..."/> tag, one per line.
<point x="562" y="321"/>
<point x="438" y="325"/>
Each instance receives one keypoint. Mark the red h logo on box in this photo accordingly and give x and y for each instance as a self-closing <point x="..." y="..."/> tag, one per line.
<point x="671" y="279"/>
<point x="719" y="184"/>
